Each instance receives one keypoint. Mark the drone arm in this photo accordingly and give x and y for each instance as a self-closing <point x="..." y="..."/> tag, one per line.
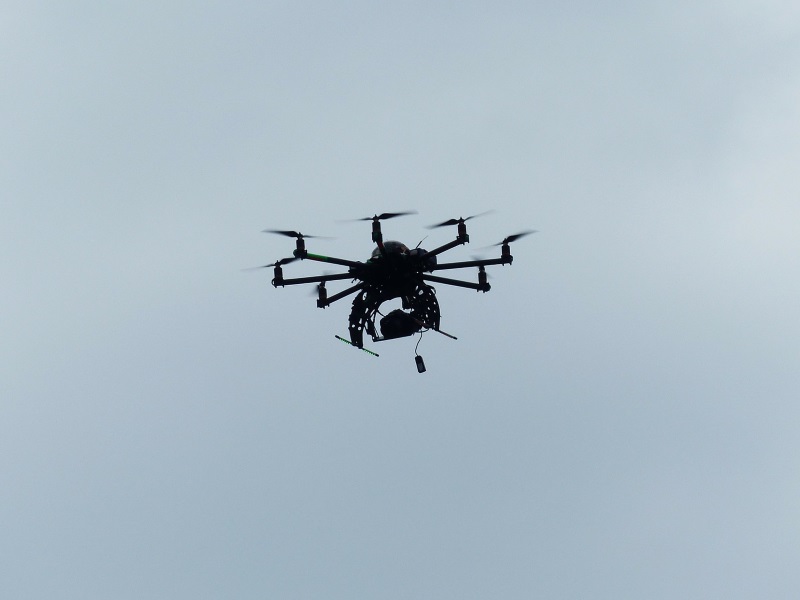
<point x="456" y="242"/>
<point x="328" y="259"/>
<point x="340" y="295"/>
<point x="315" y="279"/>
<point x="474" y="263"/>
<point x="481" y="287"/>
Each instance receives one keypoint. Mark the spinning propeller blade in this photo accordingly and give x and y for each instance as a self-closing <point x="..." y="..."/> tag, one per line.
<point x="315" y="290"/>
<point x="384" y="216"/>
<point x="515" y="237"/>
<point x="283" y="261"/>
<point x="459" y="220"/>
<point x="294" y="234"/>
<point x="477" y="257"/>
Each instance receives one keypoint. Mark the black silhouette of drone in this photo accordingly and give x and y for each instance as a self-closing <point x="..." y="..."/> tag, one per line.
<point x="393" y="271"/>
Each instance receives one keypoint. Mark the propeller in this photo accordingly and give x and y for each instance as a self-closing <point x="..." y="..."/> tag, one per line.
<point x="476" y="257"/>
<point x="294" y="234"/>
<point x="315" y="290"/>
<point x="384" y="216"/>
<point x="459" y="220"/>
<point x="515" y="237"/>
<point x="283" y="261"/>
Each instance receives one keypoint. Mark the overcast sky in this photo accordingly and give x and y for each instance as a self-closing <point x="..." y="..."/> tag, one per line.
<point x="619" y="417"/>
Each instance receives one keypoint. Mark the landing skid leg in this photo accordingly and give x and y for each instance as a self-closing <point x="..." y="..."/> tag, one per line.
<point x="348" y="342"/>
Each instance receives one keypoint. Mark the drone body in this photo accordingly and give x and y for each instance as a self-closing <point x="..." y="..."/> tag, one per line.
<point x="393" y="271"/>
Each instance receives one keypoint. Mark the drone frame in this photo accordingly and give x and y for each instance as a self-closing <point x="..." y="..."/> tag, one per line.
<point x="424" y="307"/>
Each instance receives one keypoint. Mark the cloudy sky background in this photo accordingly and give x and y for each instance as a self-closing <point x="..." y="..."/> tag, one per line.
<point x="619" y="416"/>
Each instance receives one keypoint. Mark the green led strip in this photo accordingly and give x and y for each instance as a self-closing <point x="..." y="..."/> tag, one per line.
<point x="349" y="343"/>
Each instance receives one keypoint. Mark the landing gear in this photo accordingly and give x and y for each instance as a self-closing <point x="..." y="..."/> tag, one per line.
<point x="421" y="304"/>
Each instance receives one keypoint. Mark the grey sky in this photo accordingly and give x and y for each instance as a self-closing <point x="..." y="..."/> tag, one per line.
<point x="619" y="416"/>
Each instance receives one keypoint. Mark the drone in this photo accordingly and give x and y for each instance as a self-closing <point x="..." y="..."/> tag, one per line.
<point x="393" y="271"/>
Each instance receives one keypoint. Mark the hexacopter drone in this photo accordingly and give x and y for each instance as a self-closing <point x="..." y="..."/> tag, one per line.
<point x="393" y="271"/>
